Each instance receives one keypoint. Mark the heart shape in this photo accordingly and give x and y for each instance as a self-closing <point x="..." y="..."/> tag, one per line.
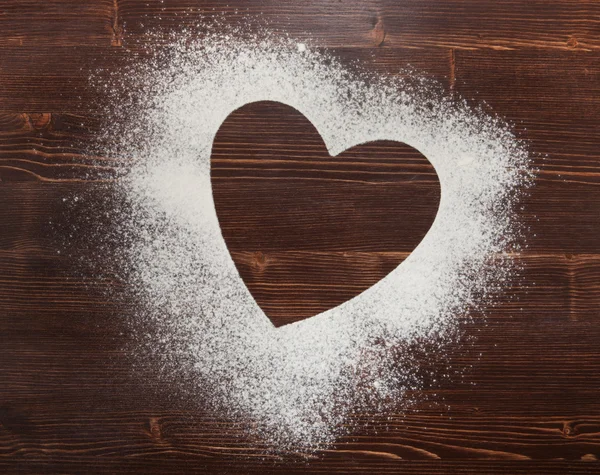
<point x="301" y="384"/>
<point x="307" y="230"/>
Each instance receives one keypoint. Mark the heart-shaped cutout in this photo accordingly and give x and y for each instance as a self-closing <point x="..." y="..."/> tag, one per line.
<point x="308" y="231"/>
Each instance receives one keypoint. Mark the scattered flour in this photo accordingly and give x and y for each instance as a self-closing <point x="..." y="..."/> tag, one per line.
<point x="297" y="385"/>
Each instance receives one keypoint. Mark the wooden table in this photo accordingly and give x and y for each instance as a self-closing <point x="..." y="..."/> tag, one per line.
<point x="528" y="398"/>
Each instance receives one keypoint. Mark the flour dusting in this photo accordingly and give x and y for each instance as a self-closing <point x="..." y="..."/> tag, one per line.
<point x="297" y="385"/>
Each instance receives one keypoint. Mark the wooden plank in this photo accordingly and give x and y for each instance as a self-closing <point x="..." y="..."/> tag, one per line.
<point x="559" y="220"/>
<point x="37" y="279"/>
<point x="568" y="24"/>
<point x="548" y="92"/>
<point x="145" y="434"/>
<point x="500" y="25"/>
<point x="563" y="222"/>
<point x="353" y="463"/>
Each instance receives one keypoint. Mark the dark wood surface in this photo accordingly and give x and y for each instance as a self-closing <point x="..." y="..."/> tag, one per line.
<point x="298" y="222"/>
<point x="527" y="399"/>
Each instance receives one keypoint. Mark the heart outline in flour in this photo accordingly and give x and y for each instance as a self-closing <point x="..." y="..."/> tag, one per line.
<point x="418" y="168"/>
<point x="299" y="382"/>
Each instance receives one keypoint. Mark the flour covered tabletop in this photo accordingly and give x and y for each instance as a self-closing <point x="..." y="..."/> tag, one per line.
<point x="89" y="382"/>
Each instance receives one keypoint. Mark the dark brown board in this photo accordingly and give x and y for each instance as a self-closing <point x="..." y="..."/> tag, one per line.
<point x="525" y="393"/>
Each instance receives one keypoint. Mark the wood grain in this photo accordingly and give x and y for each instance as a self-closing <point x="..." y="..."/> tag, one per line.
<point x="519" y="395"/>
<point x="270" y="170"/>
<point x="471" y="24"/>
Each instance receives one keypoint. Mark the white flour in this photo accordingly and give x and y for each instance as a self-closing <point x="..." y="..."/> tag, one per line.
<point x="297" y="384"/>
